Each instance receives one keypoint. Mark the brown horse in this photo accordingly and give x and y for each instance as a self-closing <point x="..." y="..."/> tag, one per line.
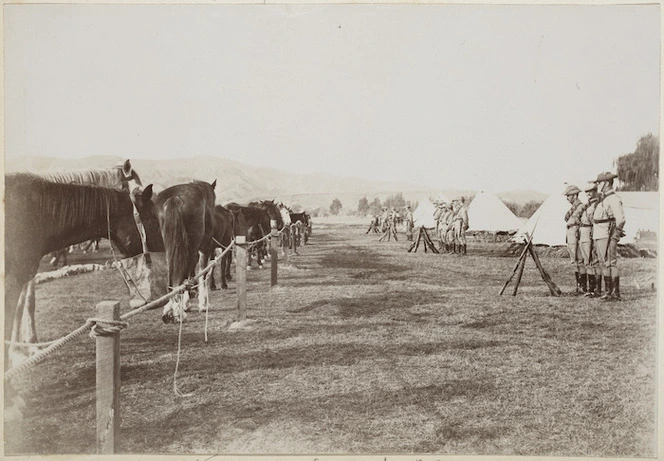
<point x="121" y="177"/>
<point x="227" y="226"/>
<point x="43" y="216"/>
<point x="186" y="215"/>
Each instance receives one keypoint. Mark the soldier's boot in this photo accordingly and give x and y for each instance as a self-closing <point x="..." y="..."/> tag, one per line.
<point x="454" y="248"/>
<point x="584" y="282"/>
<point x="616" y="289"/>
<point x="608" y="286"/>
<point x="591" y="286"/>
<point x="598" y="288"/>
<point x="464" y="248"/>
<point x="577" y="289"/>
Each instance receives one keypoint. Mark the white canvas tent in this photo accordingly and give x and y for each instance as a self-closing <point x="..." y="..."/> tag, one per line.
<point x="488" y="213"/>
<point x="423" y="214"/>
<point x="641" y="213"/>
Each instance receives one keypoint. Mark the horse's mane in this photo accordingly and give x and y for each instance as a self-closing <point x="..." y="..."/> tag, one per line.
<point x="82" y="202"/>
<point x="109" y="177"/>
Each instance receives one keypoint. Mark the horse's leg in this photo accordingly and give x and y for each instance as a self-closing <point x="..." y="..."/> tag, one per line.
<point x="212" y="285"/>
<point x="224" y="261"/>
<point x="203" y="296"/>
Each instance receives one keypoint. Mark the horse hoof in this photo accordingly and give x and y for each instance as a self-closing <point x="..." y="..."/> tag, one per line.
<point x="214" y="288"/>
<point x="224" y="287"/>
<point x="168" y="318"/>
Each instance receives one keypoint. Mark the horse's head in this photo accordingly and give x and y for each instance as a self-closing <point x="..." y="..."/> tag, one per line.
<point x="125" y="230"/>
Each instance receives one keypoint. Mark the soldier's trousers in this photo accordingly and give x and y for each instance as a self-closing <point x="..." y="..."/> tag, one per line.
<point x="588" y="257"/>
<point x="459" y="234"/>
<point x="607" y="254"/>
<point x="573" y="250"/>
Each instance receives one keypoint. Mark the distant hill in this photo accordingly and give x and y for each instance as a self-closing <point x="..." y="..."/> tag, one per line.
<point x="241" y="182"/>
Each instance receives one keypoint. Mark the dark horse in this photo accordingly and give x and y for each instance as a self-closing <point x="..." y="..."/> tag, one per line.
<point x="226" y="226"/>
<point x="186" y="215"/>
<point x="42" y="216"/>
<point x="257" y="216"/>
<point x="305" y="219"/>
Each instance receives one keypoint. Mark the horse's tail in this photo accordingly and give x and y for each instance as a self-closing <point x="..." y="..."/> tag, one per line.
<point x="176" y="241"/>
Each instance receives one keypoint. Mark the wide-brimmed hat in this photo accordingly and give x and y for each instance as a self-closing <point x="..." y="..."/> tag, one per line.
<point x="606" y="176"/>
<point x="571" y="190"/>
<point x="590" y="186"/>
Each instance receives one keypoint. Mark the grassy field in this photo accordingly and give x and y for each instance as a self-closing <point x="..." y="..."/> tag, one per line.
<point x="364" y="348"/>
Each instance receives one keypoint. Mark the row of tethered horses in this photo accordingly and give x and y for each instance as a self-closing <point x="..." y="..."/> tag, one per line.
<point x="45" y="213"/>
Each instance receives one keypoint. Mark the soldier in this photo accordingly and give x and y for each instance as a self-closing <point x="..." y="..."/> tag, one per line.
<point x="449" y="228"/>
<point x="586" y="247"/>
<point x="608" y="223"/>
<point x="460" y="223"/>
<point x="409" y="223"/>
<point x="572" y="220"/>
<point x="442" y="227"/>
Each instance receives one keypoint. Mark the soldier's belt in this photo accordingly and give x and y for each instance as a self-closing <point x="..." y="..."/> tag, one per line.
<point x="585" y="225"/>
<point x="601" y="221"/>
<point x="569" y="226"/>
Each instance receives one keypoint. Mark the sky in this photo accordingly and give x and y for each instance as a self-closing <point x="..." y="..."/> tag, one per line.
<point x="447" y="96"/>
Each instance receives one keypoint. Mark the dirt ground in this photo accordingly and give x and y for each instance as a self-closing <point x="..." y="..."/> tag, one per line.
<point x="363" y="347"/>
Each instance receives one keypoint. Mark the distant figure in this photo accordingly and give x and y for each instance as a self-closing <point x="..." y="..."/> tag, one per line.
<point x="460" y="225"/>
<point x="410" y="223"/>
<point x="609" y="220"/>
<point x="58" y="255"/>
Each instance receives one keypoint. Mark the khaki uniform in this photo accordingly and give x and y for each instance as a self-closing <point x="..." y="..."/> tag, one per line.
<point x="608" y="222"/>
<point x="460" y="225"/>
<point x="449" y="228"/>
<point x="573" y="221"/>
<point x="586" y="247"/>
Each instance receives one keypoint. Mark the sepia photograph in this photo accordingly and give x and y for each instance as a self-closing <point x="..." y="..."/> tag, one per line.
<point x="324" y="230"/>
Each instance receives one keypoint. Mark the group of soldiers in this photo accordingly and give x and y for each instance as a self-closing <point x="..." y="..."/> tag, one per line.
<point x="451" y="225"/>
<point x="593" y="231"/>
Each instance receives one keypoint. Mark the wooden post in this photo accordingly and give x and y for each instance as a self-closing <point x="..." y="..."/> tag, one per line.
<point x="241" y="276"/>
<point x="286" y="248"/>
<point x="274" y="252"/>
<point x="294" y="237"/>
<point x="108" y="382"/>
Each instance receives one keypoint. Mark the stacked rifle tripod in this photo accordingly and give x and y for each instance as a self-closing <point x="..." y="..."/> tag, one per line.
<point x="553" y="288"/>
<point x="423" y="236"/>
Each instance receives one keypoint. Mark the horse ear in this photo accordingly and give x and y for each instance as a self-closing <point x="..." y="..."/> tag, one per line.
<point x="214" y="184"/>
<point x="147" y="193"/>
<point x="126" y="167"/>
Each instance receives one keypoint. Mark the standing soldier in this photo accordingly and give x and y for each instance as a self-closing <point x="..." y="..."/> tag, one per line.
<point x="442" y="227"/>
<point x="572" y="220"/>
<point x="609" y="220"/>
<point x="586" y="247"/>
<point x="409" y="223"/>
<point x="437" y="213"/>
<point x="449" y="228"/>
<point x="460" y="221"/>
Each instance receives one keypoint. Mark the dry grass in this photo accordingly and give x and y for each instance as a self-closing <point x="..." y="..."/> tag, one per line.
<point x="365" y="348"/>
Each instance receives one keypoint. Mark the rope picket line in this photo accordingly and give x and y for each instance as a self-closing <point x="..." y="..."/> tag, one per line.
<point x="53" y="346"/>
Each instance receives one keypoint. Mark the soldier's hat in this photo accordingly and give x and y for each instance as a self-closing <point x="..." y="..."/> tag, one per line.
<point x="606" y="176"/>
<point x="571" y="190"/>
<point x="590" y="186"/>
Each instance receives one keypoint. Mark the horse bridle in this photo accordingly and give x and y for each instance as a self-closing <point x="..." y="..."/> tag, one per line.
<point x="132" y="185"/>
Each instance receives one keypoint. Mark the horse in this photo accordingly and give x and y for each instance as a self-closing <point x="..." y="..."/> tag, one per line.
<point x="256" y="225"/>
<point x="43" y="216"/>
<point x="304" y="219"/>
<point x="121" y="177"/>
<point x="186" y="215"/>
<point x="286" y="234"/>
<point x="226" y="226"/>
